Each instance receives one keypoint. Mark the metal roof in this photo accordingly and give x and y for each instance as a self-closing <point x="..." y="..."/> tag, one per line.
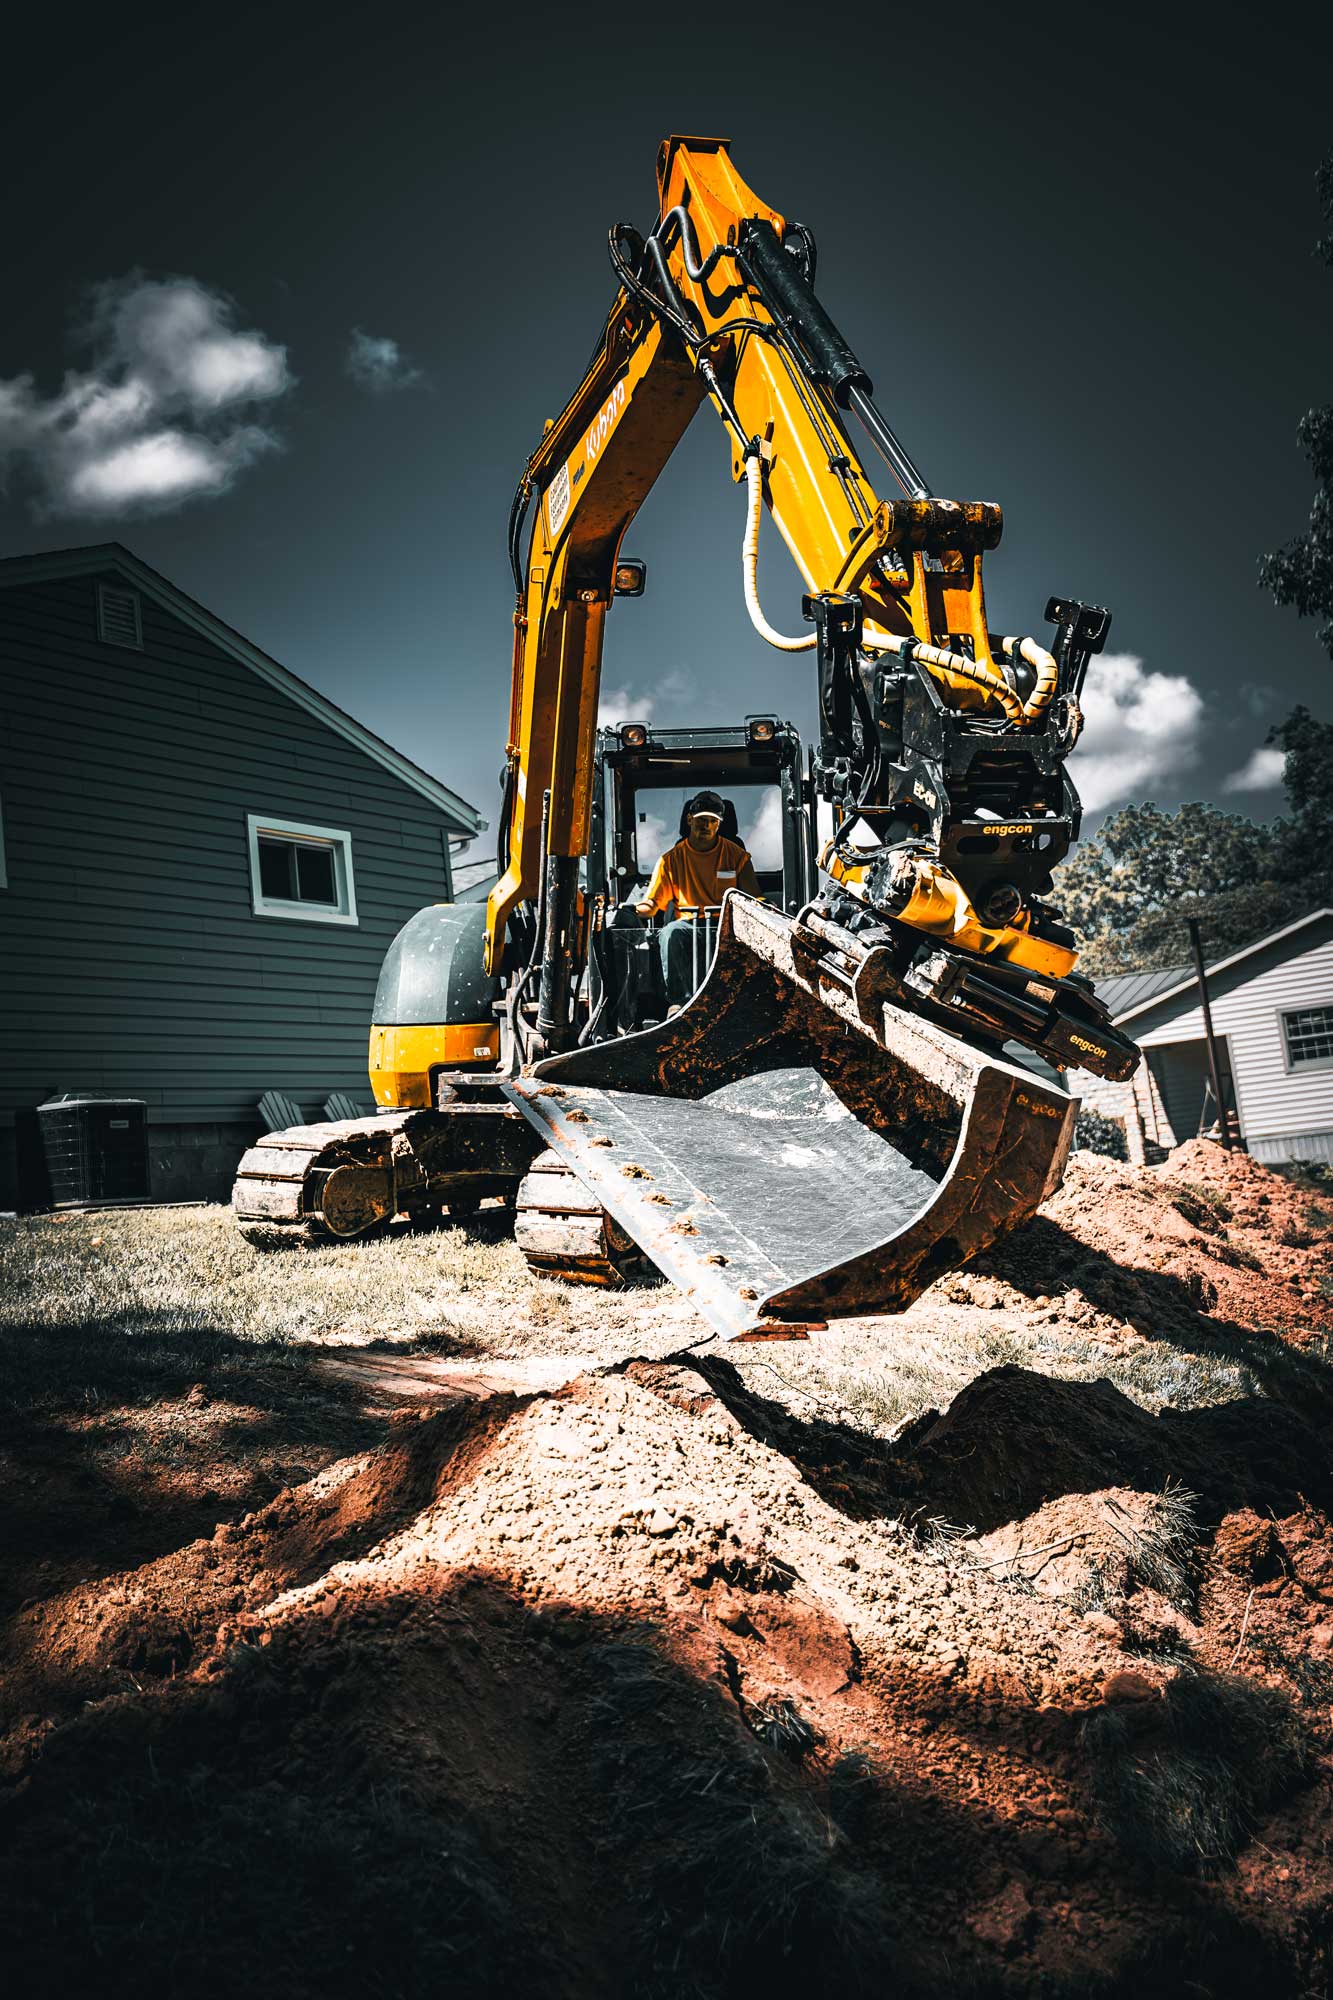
<point x="16" y="570"/>
<point x="1127" y="990"/>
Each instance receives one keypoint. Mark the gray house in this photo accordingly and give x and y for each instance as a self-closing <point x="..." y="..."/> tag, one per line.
<point x="202" y="862"/>
<point x="1272" y="1009"/>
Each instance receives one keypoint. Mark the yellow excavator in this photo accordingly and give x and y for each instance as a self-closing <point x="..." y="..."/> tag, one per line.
<point x="827" y="1119"/>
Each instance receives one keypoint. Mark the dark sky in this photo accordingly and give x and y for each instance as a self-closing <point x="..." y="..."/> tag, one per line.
<point x="1073" y="246"/>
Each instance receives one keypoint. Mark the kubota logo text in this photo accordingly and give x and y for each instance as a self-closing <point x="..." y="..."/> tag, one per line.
<point x="600" y="430"/>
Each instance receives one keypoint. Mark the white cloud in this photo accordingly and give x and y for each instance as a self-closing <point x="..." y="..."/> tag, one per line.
<point x="163" y="469"/>
<point x="651" y="838"/>
<point x="1141" y="727"/>
<point x="763" y="835"/>
<point x="377" y="363"/>
<point x="155" y="421"/>
<point x="616" y="705"/>
<point x="672" y="704"/>
<point x="1261" y="773"/>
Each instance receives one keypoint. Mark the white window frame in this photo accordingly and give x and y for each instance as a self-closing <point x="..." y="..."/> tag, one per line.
<point x="336" y="838"/>
<point x="1315" y="1063"/>
<point x="134" y="645"/>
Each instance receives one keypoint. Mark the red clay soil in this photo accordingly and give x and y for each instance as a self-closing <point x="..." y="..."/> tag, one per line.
<point x="1208" y="1232"/>
<point x="647" y="1685"/>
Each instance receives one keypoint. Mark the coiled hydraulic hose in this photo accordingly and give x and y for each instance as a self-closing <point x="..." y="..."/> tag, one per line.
<point x="960" y="666"/>
<point x="1043" y="665"/>
<point x="754" y="474"/>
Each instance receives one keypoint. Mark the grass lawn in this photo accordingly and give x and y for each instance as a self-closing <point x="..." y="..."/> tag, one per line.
<point x="157" y="1374"/>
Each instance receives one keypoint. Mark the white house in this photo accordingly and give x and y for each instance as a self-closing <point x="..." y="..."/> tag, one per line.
<point x="1272" y="1008"/>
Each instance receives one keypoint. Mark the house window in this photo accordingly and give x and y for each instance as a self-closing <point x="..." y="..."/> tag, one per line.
<point x="119" y="622"/>
<point x="301" y="871"/>
<point x="1308" y="1033"/>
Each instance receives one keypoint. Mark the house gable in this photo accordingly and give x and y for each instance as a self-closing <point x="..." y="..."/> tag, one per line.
<point x="111" y="562"/>
<point x="1178" y="1016"/>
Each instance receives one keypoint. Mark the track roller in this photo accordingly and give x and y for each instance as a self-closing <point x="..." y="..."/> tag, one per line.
<point x="564" y="1232"/>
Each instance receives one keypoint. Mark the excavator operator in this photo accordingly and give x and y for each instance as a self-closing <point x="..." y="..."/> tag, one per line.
<point x="697" y="872"/>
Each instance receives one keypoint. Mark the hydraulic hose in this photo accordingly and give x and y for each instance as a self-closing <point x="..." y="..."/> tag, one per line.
<point x="1045" y="667"/>
<point x="982" y="676"/>
<point x="754" y="475"/>
<point x="517" y="515"/>
<point x="960" y="666"/>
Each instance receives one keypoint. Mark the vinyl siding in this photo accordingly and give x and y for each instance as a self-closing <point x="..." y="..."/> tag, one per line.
<point x="1283" y="1113"/>
<point x="133" y="963"/>
<point x="1273" y="1101"/>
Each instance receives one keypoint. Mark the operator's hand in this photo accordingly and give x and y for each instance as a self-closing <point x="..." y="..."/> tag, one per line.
<point x="644" y="909"/>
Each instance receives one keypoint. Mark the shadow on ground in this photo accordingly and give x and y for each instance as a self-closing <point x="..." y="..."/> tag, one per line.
<point x="1043" y="1258"/>
<point x="120" y="1443"/>
<point x="1014" y="1439"/>
<point x="439" y="1791"/>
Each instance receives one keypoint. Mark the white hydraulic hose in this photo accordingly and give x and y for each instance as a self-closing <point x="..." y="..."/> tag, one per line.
<point x="754" y="474"/>
<point x="1037" y="657"/>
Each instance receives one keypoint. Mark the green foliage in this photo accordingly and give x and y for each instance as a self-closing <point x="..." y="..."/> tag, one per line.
<point x="1096" y="1133"/>
<point x="1301" y="574"/>
<point x="1308" y="777"/>
<point x="1144" y="858"/>
<point x="1130" y="889"/>
<point x="1156" y="939"/>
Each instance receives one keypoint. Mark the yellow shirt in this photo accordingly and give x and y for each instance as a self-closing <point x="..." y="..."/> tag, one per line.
<point x="694" y="878"/>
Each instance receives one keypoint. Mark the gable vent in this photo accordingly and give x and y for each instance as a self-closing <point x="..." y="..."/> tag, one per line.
<point x="118" y="619"/>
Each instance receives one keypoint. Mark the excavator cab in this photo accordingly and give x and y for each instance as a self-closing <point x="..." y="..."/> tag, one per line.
<point x="641" y="971"/>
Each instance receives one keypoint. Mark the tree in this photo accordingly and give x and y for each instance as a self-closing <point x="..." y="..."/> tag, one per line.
<point x="1129" y="890"/>
<point x="1301" y="574"/>
<point x="1144" y="859"/>
<point x="1158" y="938"/>
<point x="1308" y="777"/>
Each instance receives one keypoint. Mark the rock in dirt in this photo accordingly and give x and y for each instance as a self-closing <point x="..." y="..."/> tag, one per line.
<point x="1247" y="1544"/>
<point x="1005" y="1921"/>
<point x="1127" y="1685"/>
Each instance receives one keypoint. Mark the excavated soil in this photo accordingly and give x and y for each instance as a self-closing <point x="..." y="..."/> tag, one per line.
<point x="647" y="1683"/>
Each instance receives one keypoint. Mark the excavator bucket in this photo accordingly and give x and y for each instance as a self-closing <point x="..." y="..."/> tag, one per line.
<point x="792" y="1147"/>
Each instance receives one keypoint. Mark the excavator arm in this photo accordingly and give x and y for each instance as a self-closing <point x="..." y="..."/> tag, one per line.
<point x="674" y="339"/>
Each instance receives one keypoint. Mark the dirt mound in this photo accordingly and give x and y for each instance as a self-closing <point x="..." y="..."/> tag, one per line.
<point x="1147" y="1253"/>
<point x="1014" y="1439"/>
<point x="646" y="1684"/>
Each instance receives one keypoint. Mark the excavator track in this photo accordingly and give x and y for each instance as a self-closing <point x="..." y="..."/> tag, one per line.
<point x="352" y="1177"/>
<point x="564" y="1232"/>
